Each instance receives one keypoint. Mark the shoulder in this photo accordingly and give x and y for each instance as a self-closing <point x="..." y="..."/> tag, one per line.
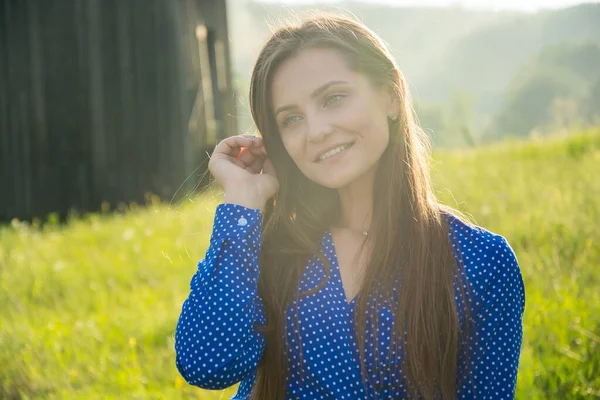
<point x="486" y="260"/>
<point x="474" y="242"/>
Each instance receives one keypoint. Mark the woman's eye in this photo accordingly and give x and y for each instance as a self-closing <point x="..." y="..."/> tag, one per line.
<point x="333" y="99"/>
<point x="290" y="120"/>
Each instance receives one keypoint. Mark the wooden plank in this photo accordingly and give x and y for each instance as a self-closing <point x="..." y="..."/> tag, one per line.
<point x="160" y="129"/>
<point x="179" y="31"/>
<point x="139" y="90"/>
<point x="96" y="98"/>
<point x="64" y="105"/>
<point x="112" y="115"/>
<point x="28" y="208"/>
<point x="6" y="199"/>
<point x="164" y="123"/>
<point x="14" y="29"/>
<point x="39" y="138"/>
<point x="83" y="78"/>
<point x="128" y="122"/>
<point x="175" y="30"/>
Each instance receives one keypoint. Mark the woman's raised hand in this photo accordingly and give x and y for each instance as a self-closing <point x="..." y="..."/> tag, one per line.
<point x="240" y="163"/>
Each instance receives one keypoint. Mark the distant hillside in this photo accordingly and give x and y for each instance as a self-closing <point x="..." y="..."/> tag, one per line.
<point x="557" y="88"/>
<point x="416" y="36"/>
<point x="447" y="54"/>
<point x="485" y="60"/>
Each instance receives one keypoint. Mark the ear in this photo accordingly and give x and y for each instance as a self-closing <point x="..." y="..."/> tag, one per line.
<point x="391" y="102"/>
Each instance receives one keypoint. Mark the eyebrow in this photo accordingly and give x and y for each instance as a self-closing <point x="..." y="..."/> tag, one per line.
<point x="314" y="94"/>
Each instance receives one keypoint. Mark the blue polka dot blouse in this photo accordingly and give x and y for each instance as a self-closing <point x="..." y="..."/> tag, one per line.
<point x="217" y="347"/>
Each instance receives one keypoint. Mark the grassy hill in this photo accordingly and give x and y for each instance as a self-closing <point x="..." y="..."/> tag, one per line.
<point x="89" y="308"/>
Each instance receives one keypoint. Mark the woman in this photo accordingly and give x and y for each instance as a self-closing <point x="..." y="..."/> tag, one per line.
<point x="321" y="248"/>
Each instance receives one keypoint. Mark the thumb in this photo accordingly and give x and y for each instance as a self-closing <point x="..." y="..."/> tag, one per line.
<point x="268" y="168"/>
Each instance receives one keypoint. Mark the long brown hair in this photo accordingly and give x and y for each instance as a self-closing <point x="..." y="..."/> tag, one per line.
<point x="409" y="234"/>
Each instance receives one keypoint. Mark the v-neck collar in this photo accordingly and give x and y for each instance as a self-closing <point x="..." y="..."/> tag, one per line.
<point x="335" y="266"/>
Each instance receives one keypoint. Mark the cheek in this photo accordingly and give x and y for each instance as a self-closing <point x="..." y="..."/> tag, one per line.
<point x="294" y="147"/>
<point x="367" y="121"/>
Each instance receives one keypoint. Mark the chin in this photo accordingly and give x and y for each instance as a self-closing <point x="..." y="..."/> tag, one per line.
<point x="334" y="184"/>
<point x="338" y="181"/>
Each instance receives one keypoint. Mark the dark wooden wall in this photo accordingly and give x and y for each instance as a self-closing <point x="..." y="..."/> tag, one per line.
<point x="104" y="100"/>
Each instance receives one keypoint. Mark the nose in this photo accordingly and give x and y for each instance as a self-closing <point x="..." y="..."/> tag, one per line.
<point x="318" y="127"/>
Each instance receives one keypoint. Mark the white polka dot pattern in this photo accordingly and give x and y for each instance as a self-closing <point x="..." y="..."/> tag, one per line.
<point x="216" y="344"/>
<point x="215" y="341"/>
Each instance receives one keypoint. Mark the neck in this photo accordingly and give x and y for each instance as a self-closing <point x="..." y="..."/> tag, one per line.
<point x="356" y="203"/>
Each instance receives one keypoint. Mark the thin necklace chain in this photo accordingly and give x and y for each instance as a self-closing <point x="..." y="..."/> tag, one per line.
<point x="365" y="233"/>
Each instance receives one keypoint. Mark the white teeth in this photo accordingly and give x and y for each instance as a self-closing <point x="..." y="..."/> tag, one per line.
<point x="333" y="151"/>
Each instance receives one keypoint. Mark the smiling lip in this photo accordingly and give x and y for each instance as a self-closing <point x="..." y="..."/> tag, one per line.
<point x="331" y="148"/>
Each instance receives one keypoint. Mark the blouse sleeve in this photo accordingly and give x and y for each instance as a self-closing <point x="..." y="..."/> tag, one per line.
<point x="216" y="344"/>
<point x="496" y="334"/>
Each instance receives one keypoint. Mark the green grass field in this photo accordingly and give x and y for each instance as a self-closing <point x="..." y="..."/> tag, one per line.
<point x="89" y="308"/>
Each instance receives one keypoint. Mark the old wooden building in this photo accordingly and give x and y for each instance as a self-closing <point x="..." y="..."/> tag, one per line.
<point x="108" y="100"/>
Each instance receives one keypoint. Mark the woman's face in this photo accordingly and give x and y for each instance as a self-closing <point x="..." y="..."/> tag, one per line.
<point x="319" y="105"/>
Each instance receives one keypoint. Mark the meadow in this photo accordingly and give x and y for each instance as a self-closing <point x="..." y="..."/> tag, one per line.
<point x="89" y="307"/>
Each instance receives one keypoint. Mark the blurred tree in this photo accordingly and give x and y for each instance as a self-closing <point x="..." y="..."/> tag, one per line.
<point x="582" y="58"/>
<point x="591" y="103"/>
<point x="449" y="124"/>
<point x="431" y="119"/>
<point x="527" y="105"/>
<point x="551" y="92"/>
<point x="563" y="114"/>
<point x="486" y="59"/>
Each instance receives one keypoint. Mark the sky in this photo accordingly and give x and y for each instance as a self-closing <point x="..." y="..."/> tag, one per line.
<point x="519" y="5"/>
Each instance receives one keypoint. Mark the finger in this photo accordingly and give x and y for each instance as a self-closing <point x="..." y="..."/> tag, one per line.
<point x="231" y="146"/>
<point x="256" y="140"/>
<point x="258" y="150"/>
<point x="257" y="165"/>
<point x="250" y="135"/>
<point x="253" y="148"/>
<point x="246" y="156"/>
<point x="251" y="155"/>
<point x="237" y="162"/>
<point x="250" y="162"/>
